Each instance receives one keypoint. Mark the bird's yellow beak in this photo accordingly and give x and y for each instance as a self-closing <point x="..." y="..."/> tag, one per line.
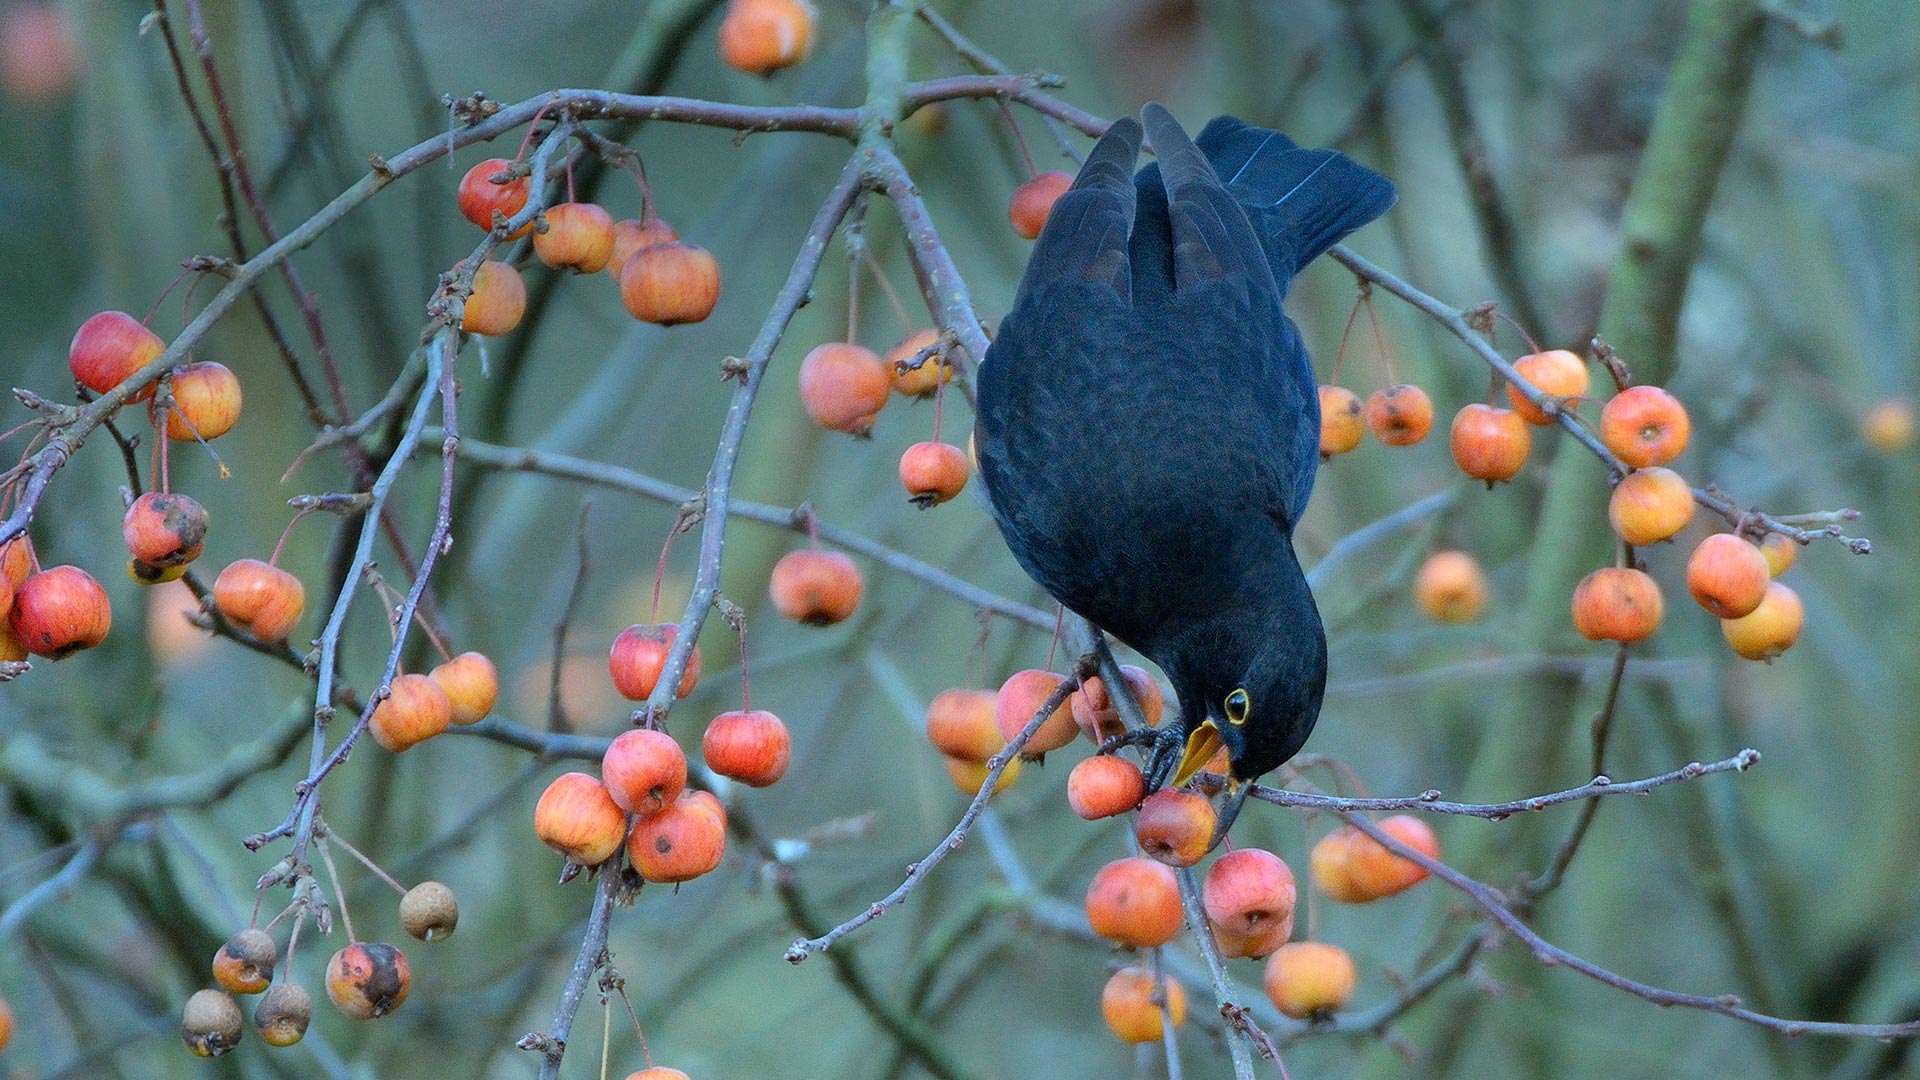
<point x="1201" y="746"/>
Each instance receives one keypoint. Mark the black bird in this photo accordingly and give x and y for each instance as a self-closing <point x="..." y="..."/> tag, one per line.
<point x="1149" y="422"/>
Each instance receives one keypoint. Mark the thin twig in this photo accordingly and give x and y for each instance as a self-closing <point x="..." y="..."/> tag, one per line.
<point x="792" y="518"/>
<point x="556" y="709"/>
<point x="52" y="888"/>
<point x="1431" y="802"/>
<point x="1498" y="908"/>
<point x="552" y="1043"/>
<point x="918" y="872"/>
<point x="1239" y="1027"/>
<point x="719" y="489"/>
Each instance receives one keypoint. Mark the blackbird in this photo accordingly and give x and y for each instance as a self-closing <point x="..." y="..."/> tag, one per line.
<point x="1149" y="423"/>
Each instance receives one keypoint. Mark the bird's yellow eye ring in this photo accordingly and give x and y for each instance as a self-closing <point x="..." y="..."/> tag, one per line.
<point x="1238" y="705"/>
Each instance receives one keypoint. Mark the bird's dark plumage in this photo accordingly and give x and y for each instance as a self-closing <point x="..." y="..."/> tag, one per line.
<point x="1149" y="421"/>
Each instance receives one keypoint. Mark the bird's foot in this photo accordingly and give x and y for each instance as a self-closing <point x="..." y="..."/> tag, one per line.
<point x="1167" y="746"/>
<point x="1136" y="737"/>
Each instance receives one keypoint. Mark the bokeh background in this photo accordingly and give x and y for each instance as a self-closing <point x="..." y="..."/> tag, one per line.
<point x="1792" y="886"/>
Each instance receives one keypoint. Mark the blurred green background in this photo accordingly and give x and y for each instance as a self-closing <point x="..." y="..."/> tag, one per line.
<point x="1792" y="886"/>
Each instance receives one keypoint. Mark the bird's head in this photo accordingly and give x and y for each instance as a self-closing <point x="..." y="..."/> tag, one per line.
<point x="1251" y="683"/>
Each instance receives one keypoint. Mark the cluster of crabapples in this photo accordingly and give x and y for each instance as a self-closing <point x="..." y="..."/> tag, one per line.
<point x="843" y="385"/>
<point x="1488" y="442"/>
<point x="661" y="278"/>
<point x="673" y="834"/>
<point x="58" y="611"/>
<point x="1728" y="574"/>
<point x="1248" y="894"/>
<point x="365" y="979"/>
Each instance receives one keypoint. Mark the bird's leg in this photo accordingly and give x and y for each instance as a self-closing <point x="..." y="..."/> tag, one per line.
<point x="1237" y="792"/>
<point x="1167" y="745"/>
<point x="1136" y="737"/>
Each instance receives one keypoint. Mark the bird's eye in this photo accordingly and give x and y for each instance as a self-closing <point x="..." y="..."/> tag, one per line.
<point x="1238" y="705"/>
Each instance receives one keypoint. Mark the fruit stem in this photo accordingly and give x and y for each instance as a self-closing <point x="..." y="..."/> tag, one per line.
<point x="175" y="410"/>
<point x="1533" y="345"/>
<point x="293" y="939"/>
<point x="606" y="1032"/>
<point x="746" y="692"/>
<point x="273" y="560"/>
<point x="646" y="1054"/>
<point x="660" y="572"/>
<point x="939" y="396"/>
<point x="339" y="894"/>
<point x="162" y="298"/>
<point x="527" y="139"/>
<point x="886" y="288"/>
<point x="639" y="170"/>
<point x="854" y="237"/>
<point x="1026" y="152"/>
<point x="368" y="863"/>
<point x="1379" y="335"/>
<point x="1340" y="354"/>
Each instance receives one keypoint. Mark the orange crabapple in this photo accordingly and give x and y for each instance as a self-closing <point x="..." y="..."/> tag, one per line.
<point x="1175" y="827"/>
<point x="1769" y="629"/>
<point x="1033" y="201"/>
<point x="818" y="588"/>
<point x="677" y="844"/>
<point x="933" y="473"/>
<point x="1644" y="425"/>
<point x="1451" y="587"/>
<point x="416" y="710"/>
<point x="844" y="386"/>
<point x="206" y="402"/>
<point x="1105" y="786"/>
<point x="1650" y="505"/>
<point x="760" y="37"/>
<point x="368" y="979"/>
<point x="1557" y="373"/>
<point x="1342" y="421"/>
<point x="479" y="196"/>
<point x="751" y="746"/>
<point x="961" y="724"/>
<point x="579" y="238"/>
<point x="579" y="819"/>
<point x="644" y="771"/>
<point x="60" y="611"/>
<point x="1399" y="415"/>
<point x="1129" y="1005"/>
<point x="1135" y="902"/>
<point x="1023" y="695"/>
<point x="670" y="283"/>
<point x="1617" y="604"/>
<point x="639" y="657"/>
<point x="498" y="301"/>
<point x="1727" y="575"/>
<point x="108" y="348"/>
<point x="1309" y="978"/>
<point x="259" y="597"/>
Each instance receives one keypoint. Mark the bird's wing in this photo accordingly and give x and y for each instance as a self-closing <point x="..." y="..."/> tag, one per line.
<point x="1212" y="240"/>
<point x="1085" y="237"/>
<point x="1301" y="201"/>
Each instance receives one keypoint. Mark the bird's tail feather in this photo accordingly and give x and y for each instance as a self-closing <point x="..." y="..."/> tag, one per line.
<point x="1301" y="201"/>
<point x="1086" y="233"/>
<point x="1211" y="236"/>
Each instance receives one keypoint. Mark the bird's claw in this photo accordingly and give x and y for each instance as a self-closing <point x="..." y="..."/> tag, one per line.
<point x="1167" y="745"/>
